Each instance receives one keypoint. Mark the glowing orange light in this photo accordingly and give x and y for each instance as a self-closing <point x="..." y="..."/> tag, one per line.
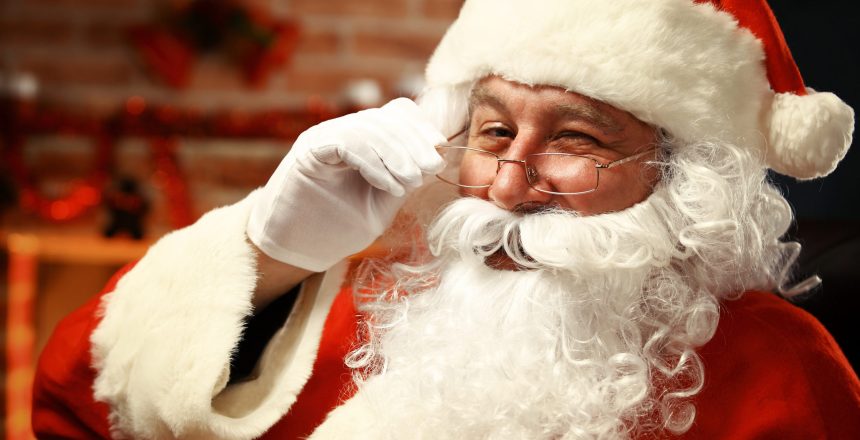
<point x="135" y="105"/>
<point x="60" y="210"/>
<point x="88" y="195"/>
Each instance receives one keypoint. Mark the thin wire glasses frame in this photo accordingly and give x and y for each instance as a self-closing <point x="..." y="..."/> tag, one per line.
<point x="531" y="171"/>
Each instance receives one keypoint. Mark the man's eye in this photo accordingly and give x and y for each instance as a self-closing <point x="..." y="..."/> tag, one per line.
<point x="575" y="136"/>
<point x="573" y="142"/>
<point x="494" y="139"/>
<point x="499" y="132"/>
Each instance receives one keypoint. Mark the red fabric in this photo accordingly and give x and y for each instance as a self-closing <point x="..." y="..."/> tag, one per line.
<point x="755" y="15"/>
<point x="329" y="385"/>
<point x="772" y="372"/>
<point x="63" y="402"/>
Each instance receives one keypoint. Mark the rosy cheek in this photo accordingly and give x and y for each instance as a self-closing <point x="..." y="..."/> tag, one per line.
<point x="472" y="173"/>
<point x="584" y="204"/>
<point x="617" y="192"/>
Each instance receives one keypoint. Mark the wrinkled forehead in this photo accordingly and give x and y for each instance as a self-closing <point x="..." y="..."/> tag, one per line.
<point x="494" y="92"/>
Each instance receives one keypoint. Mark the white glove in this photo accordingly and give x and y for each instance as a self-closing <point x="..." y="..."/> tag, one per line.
<point x="342" y="183"/>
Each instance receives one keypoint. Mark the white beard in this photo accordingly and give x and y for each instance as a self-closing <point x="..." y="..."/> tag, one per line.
<point x="596" y="340"/>
<point x="570" y="348"/>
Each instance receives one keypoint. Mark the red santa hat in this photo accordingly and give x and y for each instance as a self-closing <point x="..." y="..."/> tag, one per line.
<point x="703" y="70"/>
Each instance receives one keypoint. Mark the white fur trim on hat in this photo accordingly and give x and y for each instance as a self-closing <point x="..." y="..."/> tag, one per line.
<point x="680" y="65"/>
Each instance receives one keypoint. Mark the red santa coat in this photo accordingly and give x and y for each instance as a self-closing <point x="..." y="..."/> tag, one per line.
<point x="148" y="357"/>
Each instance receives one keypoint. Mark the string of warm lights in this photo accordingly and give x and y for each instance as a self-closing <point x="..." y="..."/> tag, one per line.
<point x="161" y="125"/>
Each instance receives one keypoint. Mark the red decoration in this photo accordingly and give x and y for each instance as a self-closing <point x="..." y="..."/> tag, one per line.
<point x="83" y="194"/>
<point x="162" y="125"/>
<point x="169" y="57"/>
<point x="249" y="38"/>
<point x="171" y="182"/>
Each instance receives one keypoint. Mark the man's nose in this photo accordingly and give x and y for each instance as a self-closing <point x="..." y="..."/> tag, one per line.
<point x="511" y="188"/>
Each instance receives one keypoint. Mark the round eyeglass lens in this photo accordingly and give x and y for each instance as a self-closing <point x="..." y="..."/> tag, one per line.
<point x="467" y="167"/>
<point x="562" y="173"/>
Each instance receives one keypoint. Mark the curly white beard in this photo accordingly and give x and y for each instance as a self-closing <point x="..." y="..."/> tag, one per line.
<point x="562" y="350"/>
<point x="595" y="339"/>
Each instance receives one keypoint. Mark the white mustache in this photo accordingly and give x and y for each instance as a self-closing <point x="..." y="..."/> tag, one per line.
<point x="556" y="239"/>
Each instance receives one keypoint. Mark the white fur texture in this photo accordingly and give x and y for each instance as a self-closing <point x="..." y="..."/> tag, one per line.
<point x="808" y="135"/>
<point x="675" y="64"/>
<point x="163" y="348"/>
<point x="682" y="66"/>
<point x="596" y="340"/>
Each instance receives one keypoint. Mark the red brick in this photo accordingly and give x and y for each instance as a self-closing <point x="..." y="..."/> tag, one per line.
<point x="207" y="197"/>
<point x="62" y="157"/>
<point x="230" y="171"/>
<point x="78" y="4"/>
<point x="442" y="9"/>
<point x="319" y="41"/>
<point x="31" y="31"/>
<point x="104" y="33"/>
<point x="67" y="158"/>
<point x="374" y="8"/>
<point x="331" y="80"/>
<point x="399" y="44"/>
<point x="216" y="74"/>
<point x="133" y="157"/>
<point x="87" y="70"/>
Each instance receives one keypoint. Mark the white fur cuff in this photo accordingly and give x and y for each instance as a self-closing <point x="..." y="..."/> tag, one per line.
<point x="162" y="351"/>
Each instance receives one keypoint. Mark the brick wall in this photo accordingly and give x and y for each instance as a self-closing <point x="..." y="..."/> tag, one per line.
<point x="78" y="51"/>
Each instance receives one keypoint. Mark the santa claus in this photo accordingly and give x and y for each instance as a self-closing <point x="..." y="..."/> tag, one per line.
<point x="603" y="271"/>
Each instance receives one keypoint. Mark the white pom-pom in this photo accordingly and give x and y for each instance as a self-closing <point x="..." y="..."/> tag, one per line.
<point x="808" y="135"/>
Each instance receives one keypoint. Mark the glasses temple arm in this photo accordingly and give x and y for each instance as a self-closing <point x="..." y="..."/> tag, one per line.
<point x="624" y="160"/>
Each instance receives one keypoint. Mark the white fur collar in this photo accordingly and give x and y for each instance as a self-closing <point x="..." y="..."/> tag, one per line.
<point x="162" y="349"/>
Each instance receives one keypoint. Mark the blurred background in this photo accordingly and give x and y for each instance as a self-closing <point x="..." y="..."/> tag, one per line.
<point x="124" y="119"/>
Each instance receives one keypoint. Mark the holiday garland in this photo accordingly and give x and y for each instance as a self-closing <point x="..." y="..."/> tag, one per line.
<point x="248" y="38"/>
<point x="161" y="125"/>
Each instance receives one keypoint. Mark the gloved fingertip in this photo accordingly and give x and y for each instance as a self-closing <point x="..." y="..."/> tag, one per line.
<point x="430" y="162"/>
<point x="436" y="166"/>
<point x="401" y="104"/>
<point x="397" y="191"/>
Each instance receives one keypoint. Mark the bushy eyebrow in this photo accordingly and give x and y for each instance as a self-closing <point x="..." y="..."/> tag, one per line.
<point x="589" y="113"/>
<point x="480" y="96"/>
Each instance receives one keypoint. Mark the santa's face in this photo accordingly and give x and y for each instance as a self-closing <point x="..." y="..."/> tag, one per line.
<point x="514" y="120"/>
<point x="599" y="334"/>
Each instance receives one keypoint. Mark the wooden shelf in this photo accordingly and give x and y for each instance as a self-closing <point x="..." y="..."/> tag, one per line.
<point x="75" y="247"/>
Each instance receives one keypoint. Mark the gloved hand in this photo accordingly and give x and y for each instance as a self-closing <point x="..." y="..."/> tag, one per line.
<point x="342" y="183"/>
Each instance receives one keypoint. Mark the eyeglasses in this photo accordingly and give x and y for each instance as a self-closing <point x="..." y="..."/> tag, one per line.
<point x="551" y="173"/>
